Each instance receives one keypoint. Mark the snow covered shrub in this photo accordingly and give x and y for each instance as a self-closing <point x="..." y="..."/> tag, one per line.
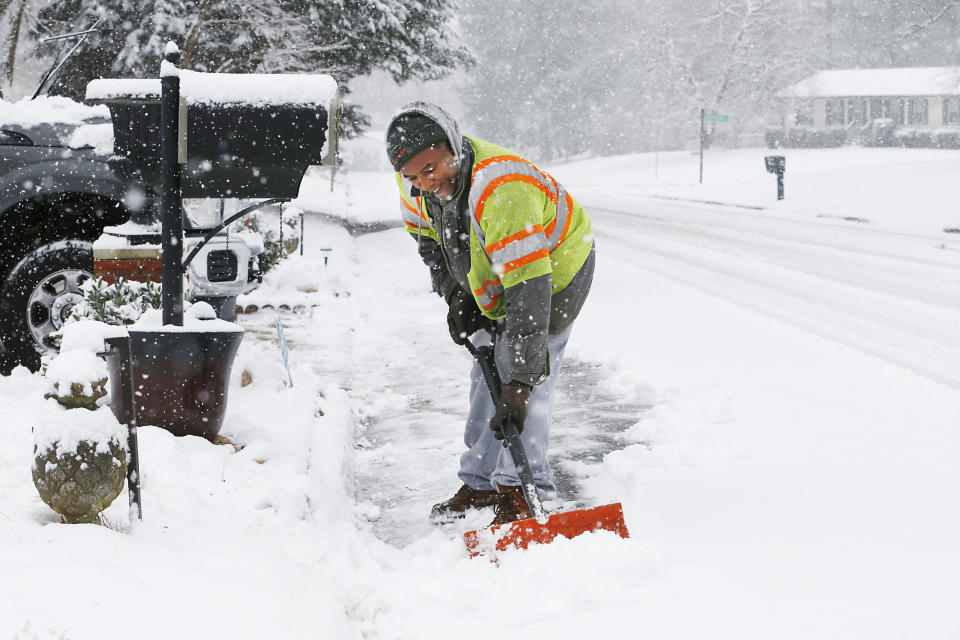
<point x="79" y="463"/>
<point x="946" y="139"/>
<point x="927" y="138"/>
<point x="274" y="250"/>
<point x="773" y="136"/>
<point x="881" y="132"/>
<point x="813" y="138"/>
<point x="120" y="303"/>
<point x="912" y="138"/>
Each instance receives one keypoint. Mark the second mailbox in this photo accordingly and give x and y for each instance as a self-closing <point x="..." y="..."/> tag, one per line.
<point x="775" y="164"/>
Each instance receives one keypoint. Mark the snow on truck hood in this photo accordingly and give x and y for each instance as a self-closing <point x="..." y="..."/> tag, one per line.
<point x="60" y="122"/>
<point x="50" y="109"/>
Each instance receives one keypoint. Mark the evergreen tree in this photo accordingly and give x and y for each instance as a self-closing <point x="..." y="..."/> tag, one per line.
<point x="345" y="38"/>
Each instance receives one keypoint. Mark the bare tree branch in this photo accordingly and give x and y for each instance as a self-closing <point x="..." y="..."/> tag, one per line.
<point x="190" y="45"/>
<point x="13" y="39"/>
<point x="932" y="18"/>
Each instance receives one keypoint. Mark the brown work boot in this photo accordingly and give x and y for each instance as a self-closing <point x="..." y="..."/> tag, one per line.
<point x="465" y="498"/>
<point x="511" y="506"/>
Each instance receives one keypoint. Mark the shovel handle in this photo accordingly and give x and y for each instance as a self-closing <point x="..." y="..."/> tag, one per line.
<point x="511" y="434"/>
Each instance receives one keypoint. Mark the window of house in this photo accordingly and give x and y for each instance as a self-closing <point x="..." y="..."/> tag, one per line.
<point x="876" y="108"/>
<point x="856" y="111"/>
<point x="951" y="110"/>
<point x="834" y="113"/>
<point x="803" y="112"/>
<point x="917" y="111"/>
<point x="893" y="109"/>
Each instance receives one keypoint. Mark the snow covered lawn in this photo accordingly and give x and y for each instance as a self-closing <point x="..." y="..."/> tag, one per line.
<point x="787" y="465"/>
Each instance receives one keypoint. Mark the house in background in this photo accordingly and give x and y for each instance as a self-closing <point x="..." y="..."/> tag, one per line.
<point x="898" y="106"/>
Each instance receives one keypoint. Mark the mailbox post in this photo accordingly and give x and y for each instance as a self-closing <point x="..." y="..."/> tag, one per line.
<point x="171" y="201"/>
<point x="777" y="165"/>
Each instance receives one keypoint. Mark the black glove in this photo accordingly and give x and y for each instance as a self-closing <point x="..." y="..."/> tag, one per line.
<point x="464" y="317"/>
<point x="512" y="406"/>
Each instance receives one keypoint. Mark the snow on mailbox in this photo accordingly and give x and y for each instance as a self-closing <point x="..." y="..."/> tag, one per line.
<point x="241" y="135"/>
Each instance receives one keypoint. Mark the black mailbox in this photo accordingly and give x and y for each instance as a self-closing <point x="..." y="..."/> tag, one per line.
<point x="775" y="164"/>
<point x="241" y="135"/>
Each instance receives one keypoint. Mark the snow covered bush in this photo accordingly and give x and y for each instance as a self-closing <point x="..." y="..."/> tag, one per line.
<point x="927" y="138"/>
<point x="276" y="249"/>
<point x="79" y="462"/>
<point x="946" y="139"/>
<point x="120" y="303"/>
<point x="807" y="138"/>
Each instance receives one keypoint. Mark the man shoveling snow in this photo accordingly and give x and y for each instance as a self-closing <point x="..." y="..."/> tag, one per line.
<point x="512" y="254"/>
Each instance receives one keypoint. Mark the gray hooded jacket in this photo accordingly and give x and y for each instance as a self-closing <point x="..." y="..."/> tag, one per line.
<point x="531" y="311"/>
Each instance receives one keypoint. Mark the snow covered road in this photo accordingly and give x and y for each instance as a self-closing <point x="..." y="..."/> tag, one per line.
<point x="804" y="436"/>
<point x="891" y="295"/>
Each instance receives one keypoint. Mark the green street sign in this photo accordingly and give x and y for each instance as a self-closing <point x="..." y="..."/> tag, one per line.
<point x="715" y="117"/>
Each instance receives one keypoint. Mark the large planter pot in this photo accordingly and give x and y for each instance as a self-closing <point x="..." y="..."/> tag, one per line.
<point x="179" y="378"/>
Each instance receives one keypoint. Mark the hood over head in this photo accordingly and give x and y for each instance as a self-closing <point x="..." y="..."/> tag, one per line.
<point x="417" y="125"/>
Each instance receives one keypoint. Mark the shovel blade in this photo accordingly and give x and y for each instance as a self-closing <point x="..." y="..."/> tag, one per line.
<point x="569" y="524"/>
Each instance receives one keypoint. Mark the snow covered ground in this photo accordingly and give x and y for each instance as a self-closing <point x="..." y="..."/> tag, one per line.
<point x="905" y="190"/>
<point x="773" y="393"/>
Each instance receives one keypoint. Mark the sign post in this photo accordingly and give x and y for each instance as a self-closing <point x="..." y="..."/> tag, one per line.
<point x="656" y="156"/>
<point x="707" y="117"/>
<point x="703" y="134"/>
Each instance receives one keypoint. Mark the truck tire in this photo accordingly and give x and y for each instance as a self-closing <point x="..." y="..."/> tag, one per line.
<point x="37" y="298"/>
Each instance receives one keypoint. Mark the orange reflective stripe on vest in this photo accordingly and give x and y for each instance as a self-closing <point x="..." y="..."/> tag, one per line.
<point x="413" y="216"/>
<point x="518" y="249"/>
<point x="488" y="293"/>
<point x="498" y="170"/>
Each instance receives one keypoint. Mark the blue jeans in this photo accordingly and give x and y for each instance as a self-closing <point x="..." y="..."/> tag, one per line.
<point x="487" y="463"/>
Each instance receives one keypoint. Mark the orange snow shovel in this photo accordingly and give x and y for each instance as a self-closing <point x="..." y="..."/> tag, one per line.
<point x="541" y="528"/>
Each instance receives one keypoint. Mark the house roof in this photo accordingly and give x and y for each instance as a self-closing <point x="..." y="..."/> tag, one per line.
<point x="902" y="81"/>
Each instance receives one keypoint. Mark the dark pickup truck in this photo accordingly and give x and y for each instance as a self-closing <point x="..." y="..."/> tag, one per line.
<point x="58" y="192"/>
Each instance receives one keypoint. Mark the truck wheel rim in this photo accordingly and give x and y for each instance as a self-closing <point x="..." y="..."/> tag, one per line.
<point x="51" y="302"/>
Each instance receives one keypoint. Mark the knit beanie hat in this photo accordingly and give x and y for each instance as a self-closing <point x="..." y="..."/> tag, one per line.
<point x="409" y="134"/>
